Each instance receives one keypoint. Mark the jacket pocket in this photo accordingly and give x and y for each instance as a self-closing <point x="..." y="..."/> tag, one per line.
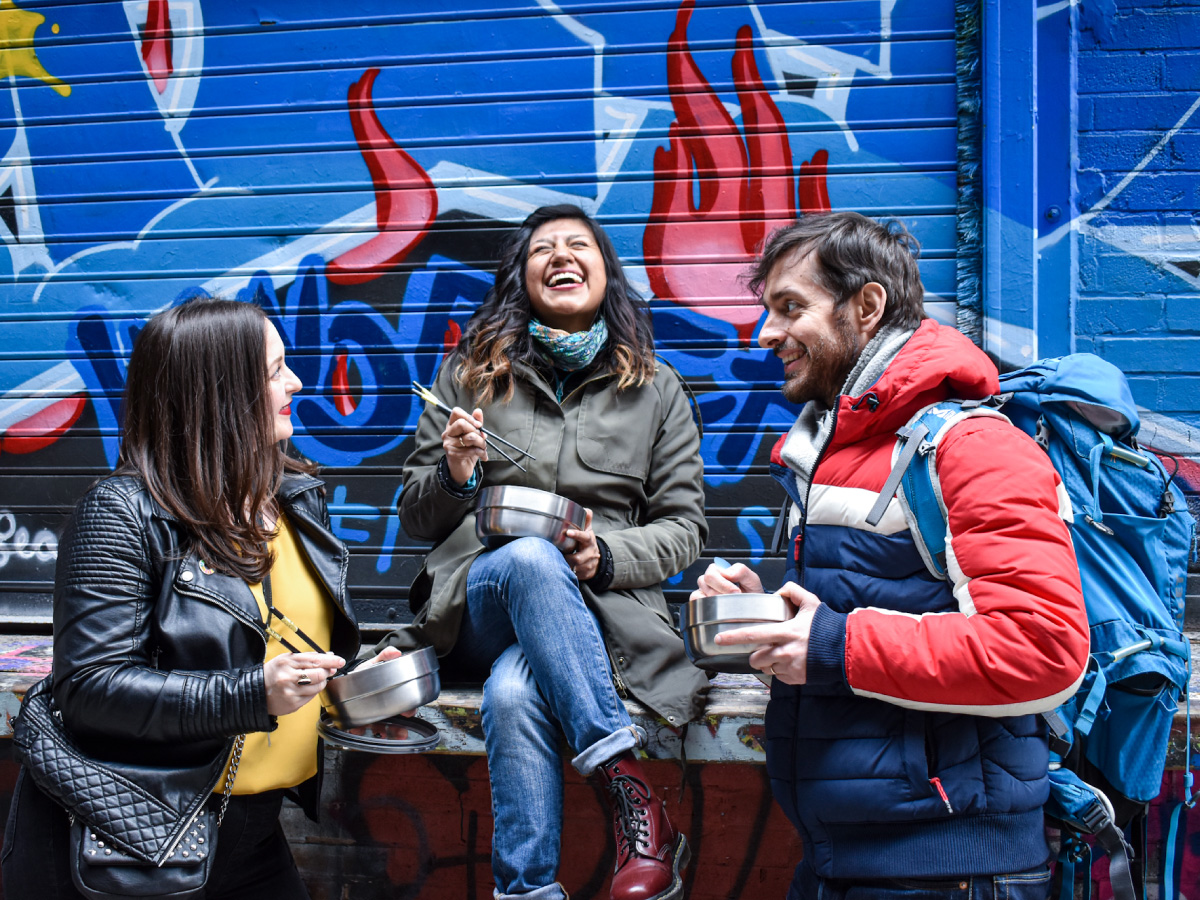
<point x="617" y="431"/>
<point x="953" y="765"/>
<point x="858" y="760"/>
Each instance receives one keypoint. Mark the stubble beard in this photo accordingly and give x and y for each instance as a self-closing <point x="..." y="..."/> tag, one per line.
<point x="830" y="361"/>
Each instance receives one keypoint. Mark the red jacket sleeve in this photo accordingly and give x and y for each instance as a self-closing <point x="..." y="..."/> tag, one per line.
<point x="1019" y="640"/>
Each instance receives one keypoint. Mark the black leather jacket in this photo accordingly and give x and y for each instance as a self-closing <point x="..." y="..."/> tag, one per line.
<point x="158" y="663"/>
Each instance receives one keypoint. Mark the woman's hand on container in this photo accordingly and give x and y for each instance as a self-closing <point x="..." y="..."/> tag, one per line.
<point x="382" y="656"/>
<point x="585" y="559"/>
<point x="727" y="579"/>
<point x="463" y="442"/>
<point x="783" y="647"/>
<point x="295" y="678"/>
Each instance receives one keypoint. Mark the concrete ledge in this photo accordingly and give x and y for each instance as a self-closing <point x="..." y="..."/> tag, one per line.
<point x="730" y="729"/>
<point x="420" y="826"/>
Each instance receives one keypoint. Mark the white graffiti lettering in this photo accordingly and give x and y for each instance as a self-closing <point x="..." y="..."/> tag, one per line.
<point x="15" y="541"/>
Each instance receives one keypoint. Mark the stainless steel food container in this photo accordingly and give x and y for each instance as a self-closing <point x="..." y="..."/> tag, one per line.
<point x="702" y="619"/>
<point x="506" y="512"/>
<point x="373" y="693"/>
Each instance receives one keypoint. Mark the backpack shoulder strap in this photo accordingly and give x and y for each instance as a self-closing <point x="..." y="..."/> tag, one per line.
<point x="920" y="490"/>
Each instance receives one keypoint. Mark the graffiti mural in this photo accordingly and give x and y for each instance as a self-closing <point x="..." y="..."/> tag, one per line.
<point x="422" y="827"/>
<point x="355" y="183"/>
<point x="352" y="168"/>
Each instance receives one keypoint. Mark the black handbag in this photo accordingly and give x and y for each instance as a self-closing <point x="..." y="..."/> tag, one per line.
<point x="125" y="841"/>
<point x="101" y="871"/>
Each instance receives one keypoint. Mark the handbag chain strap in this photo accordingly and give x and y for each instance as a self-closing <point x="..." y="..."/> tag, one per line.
<point x="234" y="762"/>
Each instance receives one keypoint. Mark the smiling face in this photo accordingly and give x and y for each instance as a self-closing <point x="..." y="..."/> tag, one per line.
<point x="565" y="275"/>
<point x="281" y="384"/>
<point x="814" y="338"/>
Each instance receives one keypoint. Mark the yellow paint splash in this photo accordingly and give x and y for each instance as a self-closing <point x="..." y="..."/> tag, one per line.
<point x="17" y="56"/>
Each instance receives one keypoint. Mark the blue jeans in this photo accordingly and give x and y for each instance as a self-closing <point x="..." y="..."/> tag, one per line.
<point x="526" y="619"/>
<point x="1031" y="885"/>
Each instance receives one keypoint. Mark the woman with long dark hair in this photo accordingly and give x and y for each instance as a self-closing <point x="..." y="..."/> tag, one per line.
<point x="199" y="607"/>
<point x="559" y="360"/>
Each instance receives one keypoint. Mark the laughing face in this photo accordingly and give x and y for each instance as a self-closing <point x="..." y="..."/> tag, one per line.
<point x="565" y="275"/>
<point x="814" y="338"/>
<point x="281" y="384"/>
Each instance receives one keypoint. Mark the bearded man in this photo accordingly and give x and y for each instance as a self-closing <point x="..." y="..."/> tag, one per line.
<point x="903" y="740"/>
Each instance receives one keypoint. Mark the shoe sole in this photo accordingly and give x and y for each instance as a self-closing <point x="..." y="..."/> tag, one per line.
<point x="683" y="855"/>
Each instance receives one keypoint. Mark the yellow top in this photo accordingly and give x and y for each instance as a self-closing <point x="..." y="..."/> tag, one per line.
<point x="287" y="756"/>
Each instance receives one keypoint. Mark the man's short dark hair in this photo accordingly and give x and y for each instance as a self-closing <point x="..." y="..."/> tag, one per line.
<point x="852" y="250"/>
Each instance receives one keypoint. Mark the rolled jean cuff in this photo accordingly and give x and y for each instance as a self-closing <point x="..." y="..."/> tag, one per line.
<point x="548" y="892"/>
<point x="609" y="748"/>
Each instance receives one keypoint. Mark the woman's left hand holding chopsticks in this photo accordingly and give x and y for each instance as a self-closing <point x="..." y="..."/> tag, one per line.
<point x="464" y="444"/>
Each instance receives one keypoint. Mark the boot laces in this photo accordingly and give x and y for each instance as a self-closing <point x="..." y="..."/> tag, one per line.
<point x="629" y="797"/>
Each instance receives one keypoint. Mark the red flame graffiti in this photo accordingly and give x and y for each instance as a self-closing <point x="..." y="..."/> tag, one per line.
<point x="405" y="198"/>
<point x="342" y="398"/>
<point x="696" y="252"/>
<point x="452" y="336"/>
<point x="44" y="427"/>
<point x="156" y="43"/>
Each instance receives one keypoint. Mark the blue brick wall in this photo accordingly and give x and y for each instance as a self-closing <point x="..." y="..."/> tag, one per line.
<point x="1139" y="249"/>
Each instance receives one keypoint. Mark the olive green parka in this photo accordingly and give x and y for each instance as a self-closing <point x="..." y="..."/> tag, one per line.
<point x="633" y="458"/>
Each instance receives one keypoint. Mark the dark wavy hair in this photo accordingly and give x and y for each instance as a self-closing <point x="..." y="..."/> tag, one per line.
<point x="852" y="250"/>
<point x="497" y="335"/>
<point x="198" y="429"/>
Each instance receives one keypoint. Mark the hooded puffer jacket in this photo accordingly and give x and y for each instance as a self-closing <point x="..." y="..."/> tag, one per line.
<point x="914" y="749"/>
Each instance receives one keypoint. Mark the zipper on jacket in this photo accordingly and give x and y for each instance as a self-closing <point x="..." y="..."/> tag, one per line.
<point x="256" y="624"/>
<point x="937" y="783"/>
<point x="798" y="544"/>
<point x="595" y="376"/>
<point x="618" y="681"/>
<point x="154" y="657"/>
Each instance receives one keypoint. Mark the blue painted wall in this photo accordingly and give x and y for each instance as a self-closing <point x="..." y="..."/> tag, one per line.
<point x="352" y="168"/>
<point x="1139" y="192"/>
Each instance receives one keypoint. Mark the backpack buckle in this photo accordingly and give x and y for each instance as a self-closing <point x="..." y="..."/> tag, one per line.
<point x="1095" y="817"/>
<point x="1042" y="435"/>
<point x="1058" y="733"/>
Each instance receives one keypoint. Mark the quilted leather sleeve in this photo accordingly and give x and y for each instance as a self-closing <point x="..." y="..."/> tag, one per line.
<point x="105" y="682"/>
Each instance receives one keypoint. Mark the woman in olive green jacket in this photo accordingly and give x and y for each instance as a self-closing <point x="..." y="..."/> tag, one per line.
<point x="559" y="360"/>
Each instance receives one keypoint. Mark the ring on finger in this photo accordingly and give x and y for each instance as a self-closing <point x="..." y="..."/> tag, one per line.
<point x="303" y="679"/>
<point x="461" y="442"/>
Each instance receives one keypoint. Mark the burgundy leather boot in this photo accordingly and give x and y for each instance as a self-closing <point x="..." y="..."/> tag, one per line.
<point x="650" y="853"/>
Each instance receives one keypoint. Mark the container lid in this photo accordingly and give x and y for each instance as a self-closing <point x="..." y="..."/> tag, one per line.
<point x="399" y="734"/>
<point x="734" y="608"/>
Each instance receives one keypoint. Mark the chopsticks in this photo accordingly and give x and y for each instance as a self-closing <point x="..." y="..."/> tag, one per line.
<point x="431" y="398"/>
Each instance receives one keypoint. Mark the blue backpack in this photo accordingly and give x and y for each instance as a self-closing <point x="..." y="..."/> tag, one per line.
<point x="1133" y="538"/>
